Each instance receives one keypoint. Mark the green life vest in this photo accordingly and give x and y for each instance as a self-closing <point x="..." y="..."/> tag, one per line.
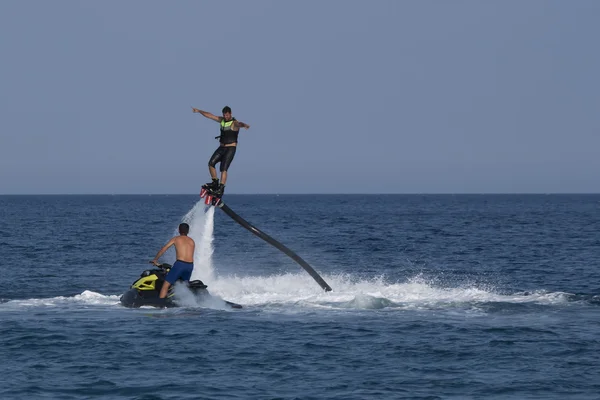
<point x="228" y="135"/>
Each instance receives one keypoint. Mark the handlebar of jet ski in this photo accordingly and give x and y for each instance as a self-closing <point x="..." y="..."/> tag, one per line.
<point x="162" y="266"/>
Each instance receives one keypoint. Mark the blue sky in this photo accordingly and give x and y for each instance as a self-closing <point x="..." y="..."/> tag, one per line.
<point x="342" y="96"/>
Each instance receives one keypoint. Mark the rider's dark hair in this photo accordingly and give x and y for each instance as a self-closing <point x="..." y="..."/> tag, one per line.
<point x="226" y="109"/>
<point x="184" y="228"/>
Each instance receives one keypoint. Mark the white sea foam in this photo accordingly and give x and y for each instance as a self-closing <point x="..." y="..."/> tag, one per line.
<point x="186" y="298"/>
<point x="86" y="298"/>
<point x="300" y="291"/>
<point x="351" y="293"/>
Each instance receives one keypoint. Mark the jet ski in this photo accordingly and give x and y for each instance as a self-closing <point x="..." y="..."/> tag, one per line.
<point x="144" y="291"/>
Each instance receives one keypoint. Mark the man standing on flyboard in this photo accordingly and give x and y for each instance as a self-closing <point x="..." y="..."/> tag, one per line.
<point x="230" y="128"/>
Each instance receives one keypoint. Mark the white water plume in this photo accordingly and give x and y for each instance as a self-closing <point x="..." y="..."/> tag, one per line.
<point x="202" y="221"/>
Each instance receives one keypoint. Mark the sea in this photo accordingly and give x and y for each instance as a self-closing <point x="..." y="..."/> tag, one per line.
<point x="434" y="297"/>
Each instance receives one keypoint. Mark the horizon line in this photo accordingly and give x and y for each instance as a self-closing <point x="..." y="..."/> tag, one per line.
<point x="309" y="194"/>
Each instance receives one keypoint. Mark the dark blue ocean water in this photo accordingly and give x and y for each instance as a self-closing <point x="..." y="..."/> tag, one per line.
<point x="434" y="297"/>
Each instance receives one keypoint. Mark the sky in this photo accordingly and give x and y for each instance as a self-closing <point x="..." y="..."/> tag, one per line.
<point x="342" y="96"/>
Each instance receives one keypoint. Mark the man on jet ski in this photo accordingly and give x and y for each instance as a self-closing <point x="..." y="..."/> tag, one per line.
<point x="183" y="267"/>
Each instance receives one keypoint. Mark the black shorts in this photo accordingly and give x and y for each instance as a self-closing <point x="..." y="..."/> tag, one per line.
<point x="224" y="155"/>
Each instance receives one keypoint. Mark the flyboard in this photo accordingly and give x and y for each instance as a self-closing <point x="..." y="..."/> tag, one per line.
<point x="214" y="199"/>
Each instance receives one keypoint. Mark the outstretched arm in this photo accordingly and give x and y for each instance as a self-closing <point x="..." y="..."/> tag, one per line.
<point x="207" y="114"/>
<point x="240" y="124"/>
<point x="162" y="251"/>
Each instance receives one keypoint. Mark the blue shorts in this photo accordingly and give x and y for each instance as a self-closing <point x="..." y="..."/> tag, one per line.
<point x="180" y="270"/>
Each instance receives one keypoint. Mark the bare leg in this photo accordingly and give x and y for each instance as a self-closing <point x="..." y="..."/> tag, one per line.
<point x="213" y="172"/>
<point x="164" y="290"/>
<point x="223" y="177"/>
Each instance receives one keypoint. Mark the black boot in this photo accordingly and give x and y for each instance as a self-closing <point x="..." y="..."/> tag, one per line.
<point x="214" y="185"/>
<point x="219" y="191"/>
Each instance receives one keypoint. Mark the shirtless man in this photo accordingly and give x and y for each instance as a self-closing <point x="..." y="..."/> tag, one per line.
<point x="230" y="128"/>
<point x="184" y="248"/>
